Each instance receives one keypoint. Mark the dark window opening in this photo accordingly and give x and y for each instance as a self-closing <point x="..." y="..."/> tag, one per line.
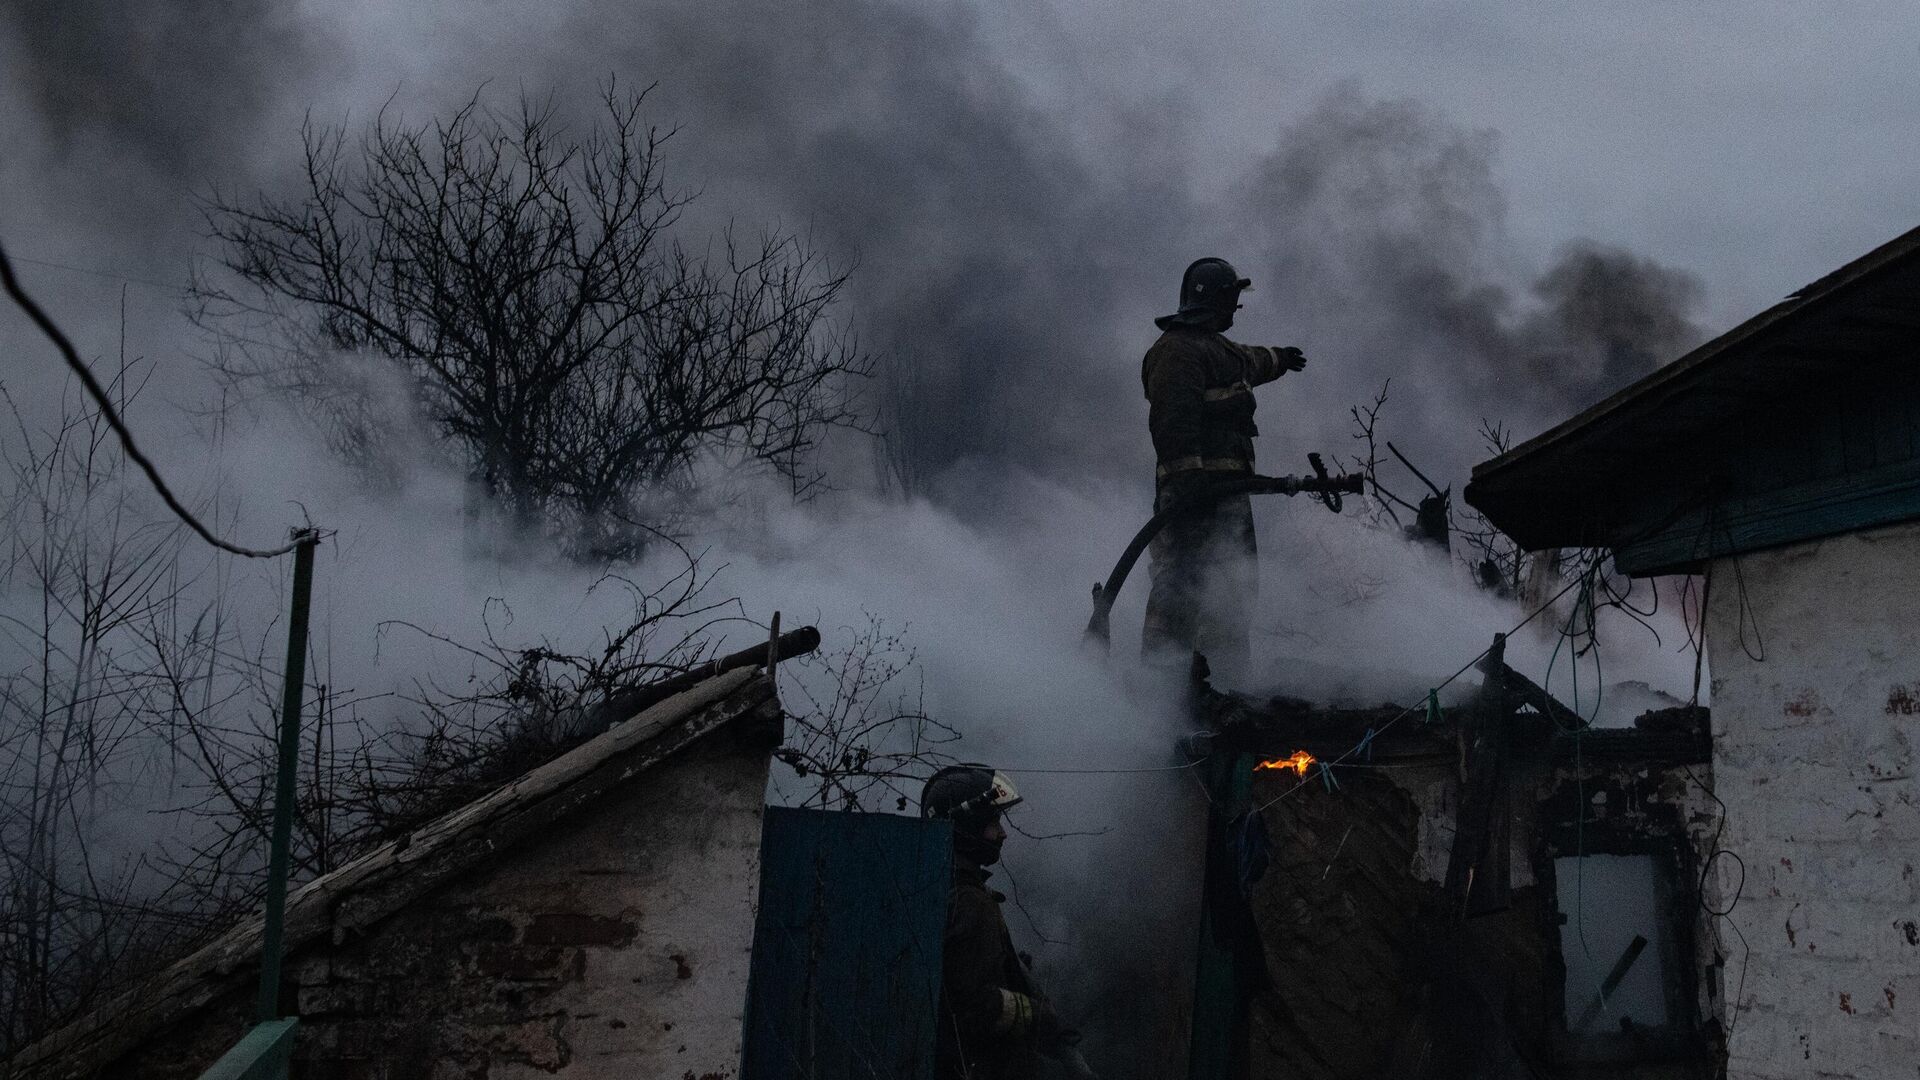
<point x="1614" y="941"/>
<point x="1625" y="994"/>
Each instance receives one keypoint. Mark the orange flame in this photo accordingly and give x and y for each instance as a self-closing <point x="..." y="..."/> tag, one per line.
<point x="1299" y="763"/>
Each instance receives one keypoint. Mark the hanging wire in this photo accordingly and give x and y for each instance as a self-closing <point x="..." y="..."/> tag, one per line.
<point x="1571" y="633"/>
<point x="1714" y="915"/>
<point x="1409" y="710"/>
<point x="1101" y="772"/>
<point x="114" y="274"/>
<point x="101" y="401"/>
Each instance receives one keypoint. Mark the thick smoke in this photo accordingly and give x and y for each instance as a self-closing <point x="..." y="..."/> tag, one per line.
<point x="1010" y="259"/>
<point x="1008" y="271"/>
<point x="1010" y="256"/>
<point x="1012" y="264"/>
<point x="1608" y="305"/>
<point x="1382" y="230"/>
<point x="136" y="109"/>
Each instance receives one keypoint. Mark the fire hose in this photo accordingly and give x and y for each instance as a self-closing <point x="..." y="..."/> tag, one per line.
<point x="1328" y="488"/>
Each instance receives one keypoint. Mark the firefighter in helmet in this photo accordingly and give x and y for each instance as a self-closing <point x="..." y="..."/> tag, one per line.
<point x="1199" y="388"/>
<point x="994" y="1024"/>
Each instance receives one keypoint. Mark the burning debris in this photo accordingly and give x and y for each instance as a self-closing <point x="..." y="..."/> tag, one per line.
<point x="1299" y="761"/>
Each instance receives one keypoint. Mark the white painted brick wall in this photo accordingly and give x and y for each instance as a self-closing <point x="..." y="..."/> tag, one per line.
<point x="1814" y="756"/>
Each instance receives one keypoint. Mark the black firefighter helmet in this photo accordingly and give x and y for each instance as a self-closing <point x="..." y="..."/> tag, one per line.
<point x="973" y="795"/>
<point x="1209" y="295"/>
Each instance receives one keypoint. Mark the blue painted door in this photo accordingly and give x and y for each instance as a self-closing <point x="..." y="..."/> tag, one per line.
<point x="845" y="979"/>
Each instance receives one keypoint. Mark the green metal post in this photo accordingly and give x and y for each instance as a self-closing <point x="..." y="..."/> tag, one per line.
<point x="267" y="1005"/>
<point x="263" y="1053"/>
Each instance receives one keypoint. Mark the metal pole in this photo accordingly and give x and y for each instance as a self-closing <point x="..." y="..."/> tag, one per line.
<point x="267" y="1005"/>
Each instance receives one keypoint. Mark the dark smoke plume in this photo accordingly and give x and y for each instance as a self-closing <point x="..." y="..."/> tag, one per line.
<point x="1385" y="240"/>
<point x="1606" y="304"/>
<point x="1000" y="264"/>
<point x="141" y="105"/>
<point x="1010" y="257"/>
<point x="1012" y="271"/>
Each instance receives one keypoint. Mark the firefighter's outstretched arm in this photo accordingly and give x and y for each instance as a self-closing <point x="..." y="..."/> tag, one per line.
<point x="1265" y="363"/>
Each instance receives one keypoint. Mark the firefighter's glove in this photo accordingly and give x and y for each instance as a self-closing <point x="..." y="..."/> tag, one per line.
<point x="1018" y="1013"/>
<point x="1027" y="1016"/>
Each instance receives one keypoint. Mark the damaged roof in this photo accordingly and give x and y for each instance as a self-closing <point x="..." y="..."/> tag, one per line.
<point x="1597" y="480"/>
<point x="350" y="900"/>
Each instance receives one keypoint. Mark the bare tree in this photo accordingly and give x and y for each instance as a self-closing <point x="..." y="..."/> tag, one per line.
<point x="855" y="741"/>
<point x="1495" y="562"/>
<point x="526" y="284"/>
<point x="89" y="583"/>
<point x="137" y="723"/>
<point x="1499" y="565"/>
<point x="1432" y="515"/>
<point x="1366" y="426"/>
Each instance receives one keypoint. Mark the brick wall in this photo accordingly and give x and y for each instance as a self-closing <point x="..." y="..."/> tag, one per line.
<point x="1815" y="656"/>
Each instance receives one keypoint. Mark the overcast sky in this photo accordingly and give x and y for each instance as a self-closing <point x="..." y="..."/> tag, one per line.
<point x="1758" y="143"/>
<point x="1023" y="181"/>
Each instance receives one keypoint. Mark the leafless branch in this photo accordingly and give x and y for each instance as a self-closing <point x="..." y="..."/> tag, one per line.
<point x="524" y="292"/>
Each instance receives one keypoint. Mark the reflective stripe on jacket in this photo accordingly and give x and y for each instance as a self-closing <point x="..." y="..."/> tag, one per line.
<point x="1199" y="388"/>
<point x="987" y="1005"/>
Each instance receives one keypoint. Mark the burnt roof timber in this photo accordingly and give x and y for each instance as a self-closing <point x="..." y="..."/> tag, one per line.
<point x="1281" y="726"/>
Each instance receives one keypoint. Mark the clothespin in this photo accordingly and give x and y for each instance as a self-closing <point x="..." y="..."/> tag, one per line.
<point x="1433" y="707"/>
<point x="1366" y="745"/>
<point x="1326" y="777"/>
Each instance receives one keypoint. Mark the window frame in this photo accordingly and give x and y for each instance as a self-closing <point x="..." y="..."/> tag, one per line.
<point x="1656" y="832"/>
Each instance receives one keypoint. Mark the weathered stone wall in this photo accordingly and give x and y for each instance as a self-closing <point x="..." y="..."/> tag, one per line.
<point x="615" y="947"/>
<point x="1816" y="709"/>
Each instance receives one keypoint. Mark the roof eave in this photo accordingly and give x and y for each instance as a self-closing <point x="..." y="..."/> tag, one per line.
<point x="1511" y="489"/>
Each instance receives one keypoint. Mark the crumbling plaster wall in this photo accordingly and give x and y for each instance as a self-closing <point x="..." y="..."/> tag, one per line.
<point x="1816" y="708"/>
<point x="615" y="947"/>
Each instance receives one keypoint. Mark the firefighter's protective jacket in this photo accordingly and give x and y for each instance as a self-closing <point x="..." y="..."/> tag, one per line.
<point x="988" y="1008"/>
<point x="1199" y="388"/>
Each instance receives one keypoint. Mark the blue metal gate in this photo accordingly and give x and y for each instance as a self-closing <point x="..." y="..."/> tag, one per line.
<point x="845" y="979"/>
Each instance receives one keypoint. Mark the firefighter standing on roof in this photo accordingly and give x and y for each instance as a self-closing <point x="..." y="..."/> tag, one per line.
<point x="1199" y="389"/>
<point x="994" y="1024"/>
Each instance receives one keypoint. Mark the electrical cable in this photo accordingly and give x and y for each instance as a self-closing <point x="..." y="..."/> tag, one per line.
<point x="116" y="275"/>
<point x="1101" y="772"/>
<point x="1571" y="633"/>
<point x="1714" y="915"/>
<point x="99" y="395"/>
